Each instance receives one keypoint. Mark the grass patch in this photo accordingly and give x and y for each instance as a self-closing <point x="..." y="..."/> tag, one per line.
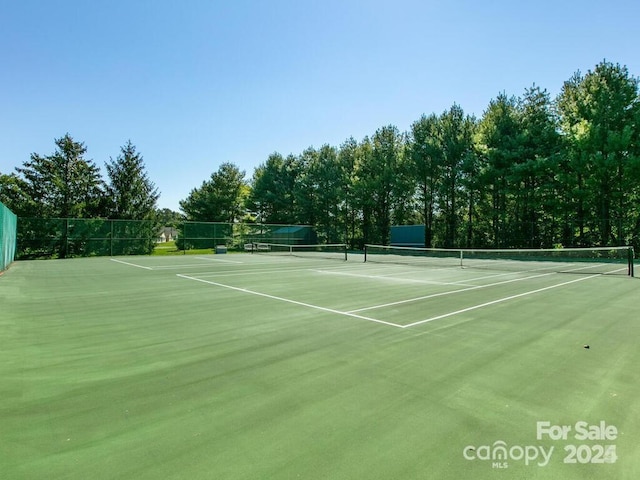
<point x="169" y="248"/>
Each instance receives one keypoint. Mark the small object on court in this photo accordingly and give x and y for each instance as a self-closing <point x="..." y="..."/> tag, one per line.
<point x="586" y="346"/>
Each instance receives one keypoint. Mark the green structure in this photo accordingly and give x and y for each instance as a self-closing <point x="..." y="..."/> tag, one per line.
<point x="8" y="228"/>
<point x="294" y="235"/>
<point x="407" y="235"/>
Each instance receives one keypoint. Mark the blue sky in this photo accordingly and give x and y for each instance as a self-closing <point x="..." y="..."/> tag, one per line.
<point x="196" y="83"/>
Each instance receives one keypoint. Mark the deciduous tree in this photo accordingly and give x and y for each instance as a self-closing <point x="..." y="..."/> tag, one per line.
<point x="219" y="199"/>
<point x="600" y="113"/>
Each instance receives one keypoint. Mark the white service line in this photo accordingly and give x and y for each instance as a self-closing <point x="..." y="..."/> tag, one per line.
<point x="287" y="300"/>
<point x="613" y="272"/>
<point x="185" y="265"/>
<point x="217" y="260"/>
<point x="388" y="277"/>
<point x="234" y="273"/>
<point x="494" y="275"/>
<point x="130" y="264"/>
<point x="500" y="300"/>
<point x="450" y="292"/>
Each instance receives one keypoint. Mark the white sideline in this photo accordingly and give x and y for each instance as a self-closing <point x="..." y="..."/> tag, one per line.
<point x="500" y="300"/>
<point x="287" y="300"/>
<point x="130" y="264"/>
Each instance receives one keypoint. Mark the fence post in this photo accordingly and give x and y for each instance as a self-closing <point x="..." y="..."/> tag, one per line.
<point x="66" y="238"/>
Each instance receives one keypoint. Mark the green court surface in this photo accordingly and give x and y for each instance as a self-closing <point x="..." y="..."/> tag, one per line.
<point x="247" y="366"/>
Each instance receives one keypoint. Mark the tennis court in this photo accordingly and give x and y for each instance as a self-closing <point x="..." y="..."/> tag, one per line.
<point x="274" y="365"/>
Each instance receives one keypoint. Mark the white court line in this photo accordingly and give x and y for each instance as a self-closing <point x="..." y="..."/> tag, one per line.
<point x="613" y="272"/>
<point x="500" y="300"/>
<point x="234" y="273"/>
<point x="186" y="265"/>
<point x="130" y="264"/>
<point x="450" y="292"/>
<point x="388" y="277"/>
<point x="494" y="275"/>
<point x="217" y="260"/>
<point x="287" y="300"/>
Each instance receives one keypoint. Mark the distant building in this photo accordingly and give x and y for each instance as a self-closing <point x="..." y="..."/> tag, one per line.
<point x="167" y="234"/>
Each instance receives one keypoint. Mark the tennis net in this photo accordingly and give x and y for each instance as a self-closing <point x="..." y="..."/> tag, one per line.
<point x="600" y="260"/>
<point x="335" y="251"/>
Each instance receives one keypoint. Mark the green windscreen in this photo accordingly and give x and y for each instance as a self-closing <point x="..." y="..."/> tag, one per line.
<point x="8" y="228"/>
<point x="336" y="251"/>
<point x="279" y="234"/>
<point x="84" y="237"/>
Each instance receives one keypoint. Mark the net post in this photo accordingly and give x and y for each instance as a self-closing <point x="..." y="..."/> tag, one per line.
<point x="461" y="258"/>
<point x="365" y="253"/>
<point x="630" y="260"/>
<point x="345" y="252"/>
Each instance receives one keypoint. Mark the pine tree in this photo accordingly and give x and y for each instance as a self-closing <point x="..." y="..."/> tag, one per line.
<point x="132" y="195"/>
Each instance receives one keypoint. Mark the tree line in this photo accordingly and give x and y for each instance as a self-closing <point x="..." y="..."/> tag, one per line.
<point x="65" y="184"/>
<point x="532" y="171"/>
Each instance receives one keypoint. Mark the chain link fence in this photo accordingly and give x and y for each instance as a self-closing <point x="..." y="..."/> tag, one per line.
<point x="82" y="237"/>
